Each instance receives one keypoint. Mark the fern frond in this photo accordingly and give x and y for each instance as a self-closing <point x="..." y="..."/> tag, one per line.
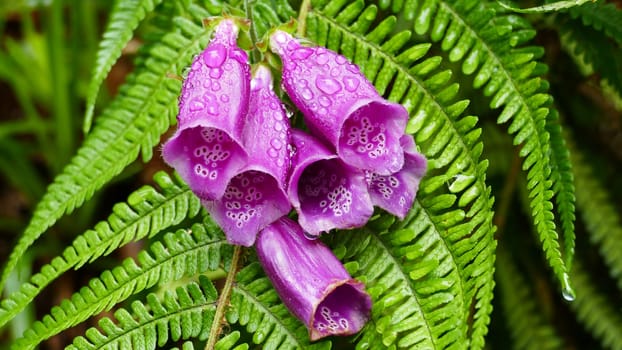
<point x="586" y="45"/>
<point x="595" y="311"/>
<point x="267" y="14"/>
<point x="124" y="19"/>
<point x="147" y="212"/>
<point x="563" y="184"/>
<point x="133" y="123"/>
<point x="474" y="33"/>
<point x="454" y="196"/>
<point x="255" y="305"/>
<point x="186" y="314"/>
<point x="602" y="16"/>
<point x="182" y="254"/>
<point x="529" y="328"/>
<point x="599" y="215"/>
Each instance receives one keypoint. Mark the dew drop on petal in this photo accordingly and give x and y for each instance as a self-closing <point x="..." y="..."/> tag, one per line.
<point x="306" y="94"/>
<point x="196" y="105"/>
<point x="224" y="98"/>
<point x="324" y="101"/>
<point x="340" y="59"/>
<point x="215" y="55"/>
<point x="216" y="86"/>
<point x="321" y="59"/>
<point x="273" y="153"/>
<point x="302" y="53"/>
<point x="215" y="73"/>
<point x="327" y="85"/>
<point x="276" y="143"/>
<point x="351" y="83"/>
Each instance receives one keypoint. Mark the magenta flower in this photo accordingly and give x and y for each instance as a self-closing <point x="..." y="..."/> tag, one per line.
<point x="396" y="193"/>
<point x="342" y="106"/>
<point x="326" y="192"/>
<point x="206" y="150"/>
<point x="311" y="281"/>
<point x="255" y="197"/>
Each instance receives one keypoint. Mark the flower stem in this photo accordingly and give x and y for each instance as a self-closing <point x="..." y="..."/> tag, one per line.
<point x="302" y="17"/>
<point x="223" y="300"/>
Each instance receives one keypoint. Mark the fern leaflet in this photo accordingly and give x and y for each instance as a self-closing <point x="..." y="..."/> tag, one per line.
<point x="183" y="254"/>
<point x="188" y="313"/>
<point x="602" y="16"/>
<point x="147" y="213"/>
<point x="133" y="123"/>
<point x="124" y="18"/>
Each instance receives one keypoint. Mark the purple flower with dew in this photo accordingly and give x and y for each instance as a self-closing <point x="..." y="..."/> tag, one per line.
<point x="342" y="106"/>
<point x="311" y="281"/>
<point x="326" y="192"/>
<point x="256" y="196"/>
<point x="206" y="149"/>
<point x="395" y="193"/>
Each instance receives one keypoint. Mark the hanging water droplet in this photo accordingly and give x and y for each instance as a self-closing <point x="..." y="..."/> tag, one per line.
<point x="351" y="83"/>
<point x="328" y="85"/>
<point x="196" y="105"/>
<point x="568" y="294"/>
<point x="215" y="55"/>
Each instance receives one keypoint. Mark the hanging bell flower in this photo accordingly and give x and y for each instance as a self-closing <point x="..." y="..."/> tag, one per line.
<point x="311" y="281"/>
<point x="206" y="150"/>
<point x="342" y="106"/>
<point x="326" y="192"/>
<point x="395" y="193"/>
<point x="256" y="196"/>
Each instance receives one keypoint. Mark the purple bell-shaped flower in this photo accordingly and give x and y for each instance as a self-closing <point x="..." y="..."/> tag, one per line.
<point x="340" y="104"/>
<point x="311" y="281"/>
<point x="395" y="193"/>
<point x="206" y="149"/>
<point x="326" y="192"/>
<point x="256" y="196"/>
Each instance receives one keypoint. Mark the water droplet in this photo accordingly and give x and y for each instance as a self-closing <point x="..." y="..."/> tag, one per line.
<point x="322" y="59"/>
<point x="351" y="83"/>
<point x="353" y="68"/>
<point x="215" y="86"/>
<point x="215" y="73"/>
<point x="215" y="55"/>
<point x="228" y="66"/>
<point x="239" y="56"/>
<point x="207" y="83"/>
<point x="196" y="65"/>
<point x="302" y="53"/>
<point x="276" y="143"/>
<point x="306" y="94"/>
<point x="328" y="85"/>
<point x="324" y="100"/>
<point x="322" y="111"/>
<point x="292" y="45"/>
<point x="341" y="59"/>
<point x="224" y="98"/>
<point x="196" y="105"/>
<point x="335" y="72"/>
<point x="567" y="291"/>
<point x="273" y="153"/>
<point x="302" y="83"/>
<point x="278" y="127"/>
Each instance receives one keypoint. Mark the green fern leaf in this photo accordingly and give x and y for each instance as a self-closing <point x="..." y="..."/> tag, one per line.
<point x="529" y="328"/>
<point x="563" y="185"/>
<point x="455" y="192"/>
<point x="599" y="215"/>
<point x="124" y="19"/>
<point x="186" y="314"/>
<point x="183" y="254"/>
<point x="472" y="32"/>
<point x="134" y="122"/>
<point x="550" y="7"/>
<point x="255" y="305"/>
<point x="147" y="213"/>
<point x="602" y="16"/>
<point x="595" y="311"/>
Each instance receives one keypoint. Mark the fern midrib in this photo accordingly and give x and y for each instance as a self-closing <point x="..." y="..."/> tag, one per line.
<point x="32" y="293"/>
<point x="250" y="296"/>
<point x="111" y="295"/>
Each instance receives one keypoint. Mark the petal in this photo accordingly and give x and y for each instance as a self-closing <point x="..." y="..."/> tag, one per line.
<point x="341" y="105"/>
<point x="206" y="149"/>
<point x="396" y="193"/>
<point x="256" y="196"/>
<point x="311" y="281"/>
<point x="326" y="192"/>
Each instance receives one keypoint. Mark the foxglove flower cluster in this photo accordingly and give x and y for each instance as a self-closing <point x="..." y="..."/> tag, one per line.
<point x="235" y="148"/>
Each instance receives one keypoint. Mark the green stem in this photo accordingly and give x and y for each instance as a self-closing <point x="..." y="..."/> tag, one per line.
<point x="223" y="300"/>
<point x="305" y="7"/>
